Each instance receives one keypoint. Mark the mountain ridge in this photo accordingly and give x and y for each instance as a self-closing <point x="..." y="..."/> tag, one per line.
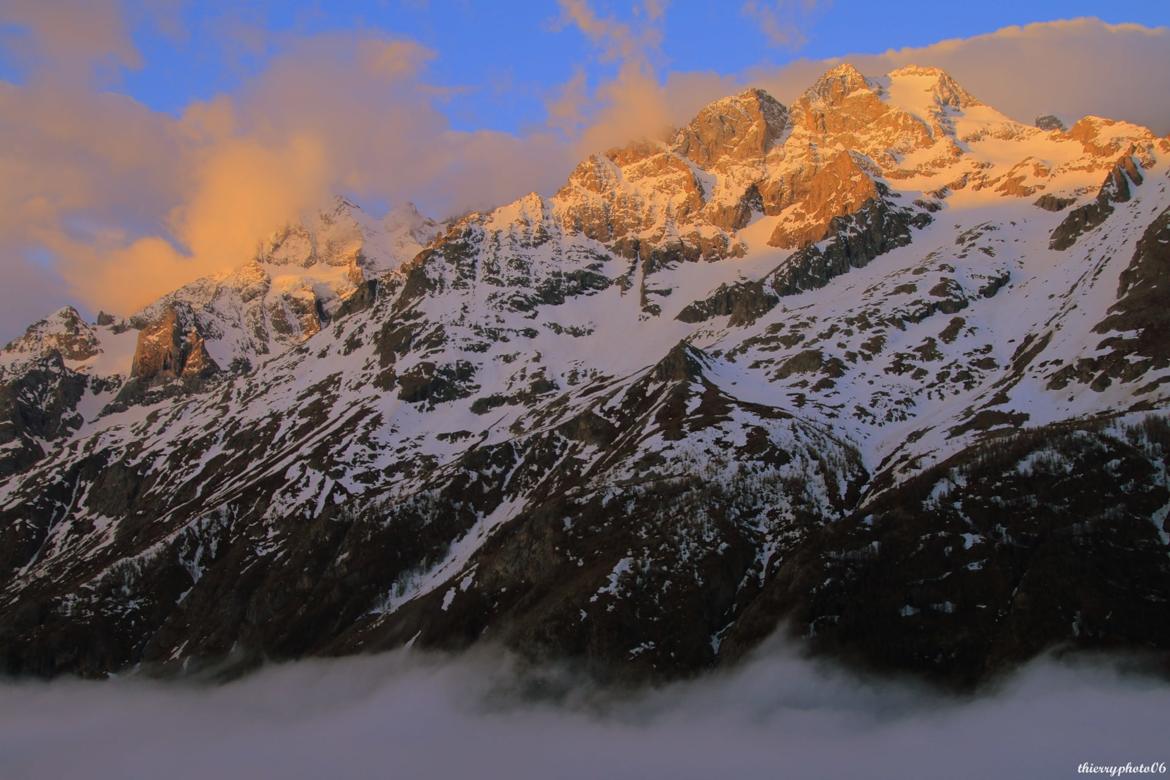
<point x="713" y="382"/>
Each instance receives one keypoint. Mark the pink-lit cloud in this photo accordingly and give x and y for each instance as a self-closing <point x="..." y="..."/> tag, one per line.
<point x="781" y="21"/>
<point x="132" y="202"/>
<point x="1071" y="68"/>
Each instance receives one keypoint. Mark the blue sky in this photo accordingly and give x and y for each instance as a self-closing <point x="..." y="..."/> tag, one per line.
<point x="505" y="58"/>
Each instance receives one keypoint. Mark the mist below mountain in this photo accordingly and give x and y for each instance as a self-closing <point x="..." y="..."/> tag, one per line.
<point x="406" y="715"/>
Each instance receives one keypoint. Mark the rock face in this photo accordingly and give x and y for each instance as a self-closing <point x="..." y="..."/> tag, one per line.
<point x="932" y="573"/>
<point x="837" y="190"/>
<point x="1133" y="349"/>
<point x="168" y="350"/>
<point x="814" y="365"/>
<point x="1117" y="188"/>
<point x="36" y="406"/>
<point x="742" y="129"/>
<point x="855" y="237"/>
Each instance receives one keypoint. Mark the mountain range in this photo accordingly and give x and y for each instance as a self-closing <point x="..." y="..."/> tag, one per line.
<point x="883" y="367"/>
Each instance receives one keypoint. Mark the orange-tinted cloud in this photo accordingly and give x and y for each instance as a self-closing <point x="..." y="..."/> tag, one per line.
<point x="1071" y="68"/>
<point x="781" y="21"/>
<point x="634" y="104"/>
<point x="241" y="192"/>
<point x="1023" y="71"/>
<point x="132" y="203"/>
<point x="76" y="40"/>
<point x="70" y="34"/>
<point x="617" y="40"/>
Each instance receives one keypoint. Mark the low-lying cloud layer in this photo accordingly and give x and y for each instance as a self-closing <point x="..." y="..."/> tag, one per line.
<point x="405" y="717"/>
<point x="110" y="203"/>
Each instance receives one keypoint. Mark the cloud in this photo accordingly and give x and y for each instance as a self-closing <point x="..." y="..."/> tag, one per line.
<point x="635" y="103"/>
<point x="781" y="21"/>
<point x="1128" y="69"/>
<point x="242" y="191"/>
<point x="618" y="40"/>
<point x="655" y="9"/>
<point x="75" y="40"/>
<point x="70" y="34"/>
<point x="132" y="202"/>
<point x="626" y="107"/>
<point x="1069" y="68"/>
<point x="79" y="168"/>
<point x="413" y="716"/>
<point x="37" y="290"/>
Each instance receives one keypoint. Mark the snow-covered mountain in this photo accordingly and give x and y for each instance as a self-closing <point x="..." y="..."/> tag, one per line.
<point x="884" y="363"/>
<point x="299" y="280"/>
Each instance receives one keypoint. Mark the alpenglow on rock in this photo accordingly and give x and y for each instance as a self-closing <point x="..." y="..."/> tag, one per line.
<point x="884" y="366"/>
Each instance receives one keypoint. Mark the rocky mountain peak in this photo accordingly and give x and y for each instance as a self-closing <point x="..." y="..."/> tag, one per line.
<point x="839" y="107"/>
<point x="340" y="206"/>
<point x="837" y="83"/>
<point x="64" y="331"/>
<point x="946" y="91"/>
<point x="1109" y="138"/>
<point x="740" y="127"/>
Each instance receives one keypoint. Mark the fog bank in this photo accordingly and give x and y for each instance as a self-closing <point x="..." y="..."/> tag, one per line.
<point x="408" y="717"/>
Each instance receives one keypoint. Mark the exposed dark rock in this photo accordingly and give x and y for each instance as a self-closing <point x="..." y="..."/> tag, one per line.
<point x="35" y="406"/>
<point x="1049" y="122"/>
<point x="681" y="364"/>
<point x="1116" y="188"/>
<point x="1050" y="202"/>
<point x="744" y="302"/>
<point x="430" y="384"/>
<point x="1138" y="322"/>
<point x="854" y="240"/>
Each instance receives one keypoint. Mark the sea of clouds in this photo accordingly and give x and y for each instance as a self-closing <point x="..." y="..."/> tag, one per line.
<point x="412" y="716"/>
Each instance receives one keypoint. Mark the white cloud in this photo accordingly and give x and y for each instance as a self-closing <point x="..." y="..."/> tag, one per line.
<point x="404" y="717"/>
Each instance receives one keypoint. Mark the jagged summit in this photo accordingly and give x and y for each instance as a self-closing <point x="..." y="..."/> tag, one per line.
<point x="836" y="84"/>
<point x="64" y="331"/>
<point x="743" y="127"/>
<point x="944" y="88"/>
<point x="1108" y="138"/>
<point x="905" y="144"/>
